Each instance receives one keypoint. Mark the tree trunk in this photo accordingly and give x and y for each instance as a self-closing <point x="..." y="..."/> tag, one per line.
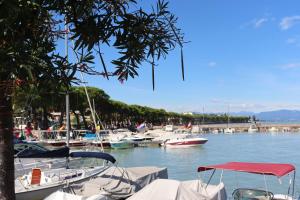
<point x="61" y="118"/>
<point x="45" y="119"/>
<point x="83" y="119"/>
<point x="7" y="187"/>
<point x="77" y="120"/>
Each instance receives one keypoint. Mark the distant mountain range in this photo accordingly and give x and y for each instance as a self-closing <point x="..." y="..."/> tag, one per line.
<point x="275" y="116"/>
<point x="271" y="116"/>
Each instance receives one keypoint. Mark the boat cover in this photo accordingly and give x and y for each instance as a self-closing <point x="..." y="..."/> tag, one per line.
<point x="167" y="189"/>
<point x="274" y="169"/>
<point x="101" y="155"/>
<point x="38" y="153"/>
<point x="66" y="196"/>
<point x="120" y="183"/>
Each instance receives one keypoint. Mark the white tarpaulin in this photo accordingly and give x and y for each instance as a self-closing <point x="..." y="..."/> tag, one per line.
<point x="114" y="183"/>
<point x="163" y="189"/>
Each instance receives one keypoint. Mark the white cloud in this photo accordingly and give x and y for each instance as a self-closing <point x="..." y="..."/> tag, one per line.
<point x="291" y="66"/>
<point x="257" y="23"/>
<point x="291" y="40"/>
<point x="212" y="64"/>
<point x="288" y="22"/>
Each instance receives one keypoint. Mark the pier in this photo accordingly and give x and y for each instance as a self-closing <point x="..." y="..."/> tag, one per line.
<point x="243" y="127"/>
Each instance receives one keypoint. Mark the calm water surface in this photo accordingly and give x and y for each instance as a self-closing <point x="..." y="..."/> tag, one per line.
<point x="182" y="163"/>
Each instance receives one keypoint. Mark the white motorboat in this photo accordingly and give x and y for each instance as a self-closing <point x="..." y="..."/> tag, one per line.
<point x="228" y="130"/>
<point x="25" y="165"/>
<point x="187" y="141"/>
<point x="39" y="183"/>
<point x="252" y="129"/>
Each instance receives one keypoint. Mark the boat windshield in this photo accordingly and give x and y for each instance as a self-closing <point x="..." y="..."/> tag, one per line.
<point x="22" y="146"/>
<point x="251" y="194"/>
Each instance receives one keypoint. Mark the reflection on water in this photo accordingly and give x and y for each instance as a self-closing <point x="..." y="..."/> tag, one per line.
<point x="182" y="163"/>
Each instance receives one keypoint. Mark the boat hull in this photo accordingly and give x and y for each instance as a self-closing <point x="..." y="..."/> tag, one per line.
<point x="41" y="192"/>
<point x="185" y="142"/>
<point x="104" y="144"/>
<point x="63" y="143"/>
<point x="38" y="194"/>
<point x="121" y="145"/>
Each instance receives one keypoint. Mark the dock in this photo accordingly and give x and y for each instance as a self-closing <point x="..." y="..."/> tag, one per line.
<point x="244" y="127"/>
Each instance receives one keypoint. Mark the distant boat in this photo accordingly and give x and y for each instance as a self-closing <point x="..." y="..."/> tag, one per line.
<point x="169" y="128"/>
<point x="228" y="130"/>
<point x="273" y="130"/>
<point x="252" y="129"/>
<point x="196" y="129"/>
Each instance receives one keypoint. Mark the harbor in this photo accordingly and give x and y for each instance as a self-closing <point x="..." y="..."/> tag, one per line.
<point x="149" y="100"/>
<point x="182" y="163"/>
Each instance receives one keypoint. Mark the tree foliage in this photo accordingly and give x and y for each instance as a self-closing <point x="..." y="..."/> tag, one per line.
<point x="31" y="31"/>
<point x="112" y="111"/>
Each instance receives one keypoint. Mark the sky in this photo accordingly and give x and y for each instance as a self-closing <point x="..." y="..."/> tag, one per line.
<point x="242" y="55"/>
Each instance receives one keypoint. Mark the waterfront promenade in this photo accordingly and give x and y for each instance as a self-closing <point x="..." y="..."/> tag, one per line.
<point x="261" y="126"/>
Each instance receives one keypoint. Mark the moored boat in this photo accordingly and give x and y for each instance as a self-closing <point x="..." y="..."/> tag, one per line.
<point x="113" y="183"/>
<point x="162" y="189"/>
<point x="184" y="142"/>
<point x="252" y="129"/>
<point x="40" y="183"/>
<point x="103" y="143"/>
<point x="55" y="143"/>
<point x="121" y="144"/>
<point x="59" y="143"/>
<point x="278" y="170"/>
<point x="228" y="130"/>
<point x="77" y="143"/>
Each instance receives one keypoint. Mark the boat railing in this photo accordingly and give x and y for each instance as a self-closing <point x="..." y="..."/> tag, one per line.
<point x="59" y="134"/>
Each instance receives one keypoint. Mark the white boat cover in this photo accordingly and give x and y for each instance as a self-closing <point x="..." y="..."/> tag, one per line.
<point x="66" y="196"/>
<point x="116" y="183"/>
<point x="163" y="189"/>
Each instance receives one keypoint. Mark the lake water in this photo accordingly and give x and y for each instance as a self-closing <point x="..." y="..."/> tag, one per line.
<point x="182" y="163"/>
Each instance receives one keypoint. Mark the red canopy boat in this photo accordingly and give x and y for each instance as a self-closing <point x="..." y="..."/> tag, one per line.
<point x="273" y="169"/>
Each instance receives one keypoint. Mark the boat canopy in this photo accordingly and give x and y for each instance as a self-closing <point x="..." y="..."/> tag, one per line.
<point x="101" y="155"/>
<point x="41" y="153"/>
<point x="273" y="169"/>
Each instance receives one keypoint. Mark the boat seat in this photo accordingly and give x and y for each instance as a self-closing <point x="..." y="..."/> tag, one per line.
<point x="251" y="194"/>
<point x="36" y="175"/>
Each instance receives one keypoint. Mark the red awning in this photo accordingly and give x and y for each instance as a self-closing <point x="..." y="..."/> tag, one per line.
<point x="256" y="168"/>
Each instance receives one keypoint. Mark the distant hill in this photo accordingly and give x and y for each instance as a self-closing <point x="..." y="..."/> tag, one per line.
<point x="275" y="116"/>
<point x="243" y="113"/>
<point x="279" y="115"/>
<point x="272" y="116"/>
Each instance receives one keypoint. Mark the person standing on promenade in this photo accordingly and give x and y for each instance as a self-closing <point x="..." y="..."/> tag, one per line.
<point x="28" y="130"/>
